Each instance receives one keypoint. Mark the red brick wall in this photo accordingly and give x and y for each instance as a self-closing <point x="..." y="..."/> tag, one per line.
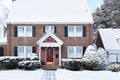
<point x="16" y="41"/>
<point x="99" y="42"/>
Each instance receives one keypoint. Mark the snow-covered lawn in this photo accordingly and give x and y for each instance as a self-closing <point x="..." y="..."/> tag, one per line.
<point x="62" y="74"/>
<point x="21" y="75"/>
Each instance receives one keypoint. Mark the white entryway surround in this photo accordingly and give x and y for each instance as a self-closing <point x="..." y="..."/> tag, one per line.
<point x="58" y="43"/>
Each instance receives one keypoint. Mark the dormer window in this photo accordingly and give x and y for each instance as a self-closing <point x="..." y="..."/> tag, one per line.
<point x="49" y="29"/>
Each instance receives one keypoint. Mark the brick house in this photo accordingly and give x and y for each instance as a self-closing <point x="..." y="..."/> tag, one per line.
<point x="53" y="29"/>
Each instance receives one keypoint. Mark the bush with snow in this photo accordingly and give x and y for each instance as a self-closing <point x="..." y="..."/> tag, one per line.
<point x="12" y="62"/>
<point x="72" y="64"/>
<point x="29" y="65"/>
<point x="94" y="59"/>
<point x="114" y="67"/>
<point x="32" y="56"/>
<point x="103" y="55"/>
<point x="9" y="62"/>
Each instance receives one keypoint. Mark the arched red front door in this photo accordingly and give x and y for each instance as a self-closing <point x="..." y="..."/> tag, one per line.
<point x="49" y="54"/>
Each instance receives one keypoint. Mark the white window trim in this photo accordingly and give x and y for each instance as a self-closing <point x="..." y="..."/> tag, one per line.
<point x="49" y="29"/>
<point x="74" y="54"/>
<point x="25" y="53"/>
<point x="25" y="31"/>
<point x="75" y="32"/>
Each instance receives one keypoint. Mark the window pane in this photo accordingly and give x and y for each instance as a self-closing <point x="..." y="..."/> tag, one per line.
<point x="28" y="31"/>
<point x="20" y="31"/>
<point x="118" y="58"/>
<point x="70" y="31"/>
<point x="78" y="31"/>
<point x="78" y="52"/>
<point x="28" y="50"/>
<point x="112" y="58"/>
<point x="52" y="29"/>
<point x="46" y="29"/>
<point x="70" y="52"/>
<point x="21" y="51"/>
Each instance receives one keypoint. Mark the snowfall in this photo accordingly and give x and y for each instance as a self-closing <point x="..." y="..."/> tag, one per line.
<point x="61" y="74"/>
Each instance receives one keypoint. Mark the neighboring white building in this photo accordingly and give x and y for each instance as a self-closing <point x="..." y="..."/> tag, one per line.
<point x="110" y="40"/>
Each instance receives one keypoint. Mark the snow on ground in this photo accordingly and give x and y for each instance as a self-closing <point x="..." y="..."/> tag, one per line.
<point x="62" y="74"/>
<point x="21" y="75"/>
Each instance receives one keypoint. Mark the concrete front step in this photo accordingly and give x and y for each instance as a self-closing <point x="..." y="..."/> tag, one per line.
<point x="50" y="67"/>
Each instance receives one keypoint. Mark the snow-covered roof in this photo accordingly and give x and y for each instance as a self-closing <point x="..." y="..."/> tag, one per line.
<point x="110" y="39"/>
<point x="50" y="12"/>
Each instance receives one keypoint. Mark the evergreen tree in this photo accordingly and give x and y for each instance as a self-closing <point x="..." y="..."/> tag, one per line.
<point x="108" y="15"/>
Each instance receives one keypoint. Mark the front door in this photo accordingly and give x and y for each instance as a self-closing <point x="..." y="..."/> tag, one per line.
<point x="49" y="54"/>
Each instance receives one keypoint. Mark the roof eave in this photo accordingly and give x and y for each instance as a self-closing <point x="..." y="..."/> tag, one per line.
<point x="49" y="22"/>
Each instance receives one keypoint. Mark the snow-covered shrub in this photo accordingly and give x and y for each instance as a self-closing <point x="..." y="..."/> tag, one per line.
<point x="32" y="56"/>
<point x="72" y="64"/>
<point x="114" y="67"/>
<point x="103" y="55"/>
<point x="90" y="59"/>
<point x="29" y="65"/>
<point x="94" y="59"/>
<point x="9" y="62"/>
<point x="91" y="64"/>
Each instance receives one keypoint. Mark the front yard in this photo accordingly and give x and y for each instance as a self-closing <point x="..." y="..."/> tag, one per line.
<point x="21" y="75"/>
<point x="61" y="74"/>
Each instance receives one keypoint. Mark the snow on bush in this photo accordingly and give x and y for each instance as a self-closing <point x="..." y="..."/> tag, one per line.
<point x="29" y="65"/>
<point x="103" y="55"/>
<point x="114" y="67"/>
<point x="33" y="56"/>
<point x="12" y="62"/>
<point x="72" y="64"/>
<point x="9" y="62"/>
<point x="90" y="59"/>
<point x="94" y="59"/>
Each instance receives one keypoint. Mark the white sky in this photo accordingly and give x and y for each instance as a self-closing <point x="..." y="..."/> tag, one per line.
<point x="93" y="4"/>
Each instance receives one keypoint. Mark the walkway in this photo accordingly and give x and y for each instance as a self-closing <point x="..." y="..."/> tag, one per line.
<point x="49" y="75"/>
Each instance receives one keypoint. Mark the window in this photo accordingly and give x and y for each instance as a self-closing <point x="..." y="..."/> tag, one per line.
<point x="112" y="58"/>
<point x="75" y="51"/>
<point x="50" y="29"/>
<point x="75" y="31"/>
<point x="24" y="51"/>
<point x="29" y="31"/>
<point x="24" y="31"/>
<point x="71" y="31"/>
<point x="70" y="51"/>
<point x="21" y="51"/>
